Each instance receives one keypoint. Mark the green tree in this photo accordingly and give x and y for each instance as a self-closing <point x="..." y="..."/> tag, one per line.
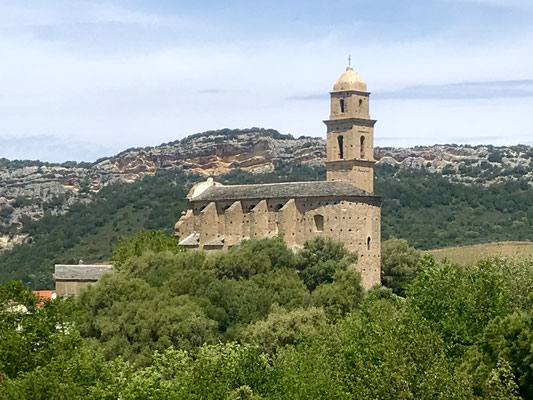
<point x="132" y="319"/>
<point x="340" y="296"/>
<point x="31" y="336"/>
<point x="213" y="372"/>
<point x="155" y="241"/>
<point x="282" y="328"/>
<point x="399" y="264"/>
<point x="500" y="384"/>
<point x="502" y="359"/>
<point x="383" y="350"/>
<point x="320" y="259"/>
<point x="79" y="375"/>
<point x="252" y="257"/>
<point x="459" y="301"/>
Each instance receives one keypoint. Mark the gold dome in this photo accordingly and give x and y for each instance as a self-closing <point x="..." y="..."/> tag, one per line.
<point x="350" y="80"/>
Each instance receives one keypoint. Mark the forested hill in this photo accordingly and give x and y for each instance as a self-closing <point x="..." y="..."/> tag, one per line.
<point x="426" y="208"/>
<point x="31" y="189"/>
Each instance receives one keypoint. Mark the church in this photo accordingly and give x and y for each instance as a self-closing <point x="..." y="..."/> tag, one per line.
<point x="343" y="207"/>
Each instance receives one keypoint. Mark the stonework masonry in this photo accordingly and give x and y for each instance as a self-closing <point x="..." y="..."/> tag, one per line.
<point x="70" y="279"/>
<point x="343" y="207"/>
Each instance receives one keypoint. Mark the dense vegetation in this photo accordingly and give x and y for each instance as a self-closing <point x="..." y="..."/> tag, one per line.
<point x="259" y="322"/>
<point x="15" y="164"/>
<point x="431" y="212"/>
<point x="426" y="209"/>
<point x="91" y="231"/>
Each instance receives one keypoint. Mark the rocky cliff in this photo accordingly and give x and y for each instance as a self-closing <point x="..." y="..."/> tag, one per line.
<point x="29" y="189"/>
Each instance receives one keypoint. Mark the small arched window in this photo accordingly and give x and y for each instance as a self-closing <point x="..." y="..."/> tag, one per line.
<point x="340" y="140"/>
<point x="360" y="102"/>
<point x="342" y="105"/>
<point x="362" y="147"/>
<point x="368" y="240"/>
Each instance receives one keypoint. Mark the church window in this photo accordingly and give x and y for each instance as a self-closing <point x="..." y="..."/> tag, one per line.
<point x="340" y="139"/>
<point x="319" y="223"/>
<point x="360" y="102"/>
<point x="342" y="105"/>
<point x="368" y="240"/>
<point x="362" y="147"/>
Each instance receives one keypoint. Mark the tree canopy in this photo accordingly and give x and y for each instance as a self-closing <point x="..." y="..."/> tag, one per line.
<point x="247" y="324"/>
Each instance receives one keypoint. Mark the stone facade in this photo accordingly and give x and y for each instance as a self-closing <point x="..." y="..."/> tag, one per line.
<point x="350" y="133"/>
<point x="343" y="207"/>
<point x="70" y="279"/>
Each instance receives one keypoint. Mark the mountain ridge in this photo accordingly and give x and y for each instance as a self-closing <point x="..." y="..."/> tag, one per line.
<point x="31" y="189"/>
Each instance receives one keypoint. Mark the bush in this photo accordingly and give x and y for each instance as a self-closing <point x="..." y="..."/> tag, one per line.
<point x="399" y="264"/>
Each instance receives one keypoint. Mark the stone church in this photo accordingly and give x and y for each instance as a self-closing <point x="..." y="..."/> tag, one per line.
<point x="343" y="207"/>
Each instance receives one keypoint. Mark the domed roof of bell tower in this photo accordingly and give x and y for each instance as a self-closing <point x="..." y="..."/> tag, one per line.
<point x="349" y="80"/>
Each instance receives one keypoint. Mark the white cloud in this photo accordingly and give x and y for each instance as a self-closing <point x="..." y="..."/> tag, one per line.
<point x="419" y="122"/>
<point x="115" y="96"/>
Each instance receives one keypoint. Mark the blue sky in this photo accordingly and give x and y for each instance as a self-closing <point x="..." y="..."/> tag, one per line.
<point x="85" y="79"/>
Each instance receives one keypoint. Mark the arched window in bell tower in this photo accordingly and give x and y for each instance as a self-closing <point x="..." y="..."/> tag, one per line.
<point x="368" y="241"/>
<point x="342" y="105"/>
<point x="340" y="140"/>
<point x="362" y="148"/>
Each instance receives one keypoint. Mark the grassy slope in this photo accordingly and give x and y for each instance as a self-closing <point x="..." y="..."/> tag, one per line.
<point x="470" y="254"/>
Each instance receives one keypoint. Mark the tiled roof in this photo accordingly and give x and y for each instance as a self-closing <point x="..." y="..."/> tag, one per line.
<point x="81" y="272"/>
<point x="43" y="294"/>
<point x="282" y="190"/>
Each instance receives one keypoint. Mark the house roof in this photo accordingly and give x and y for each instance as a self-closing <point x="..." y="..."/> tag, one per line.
<point x="44" y="294"/>
<point x="282" y="190"/>
<point x="65" y="272"/>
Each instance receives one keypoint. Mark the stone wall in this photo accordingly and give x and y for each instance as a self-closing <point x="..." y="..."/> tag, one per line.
<point x="354" y="222"/>
<point x="71" y="288"/>
<point x="350" y="152"/>
<point x="358" y="173"/>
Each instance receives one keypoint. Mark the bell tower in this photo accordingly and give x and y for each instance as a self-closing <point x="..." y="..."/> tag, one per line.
<point x="350" y="133"/>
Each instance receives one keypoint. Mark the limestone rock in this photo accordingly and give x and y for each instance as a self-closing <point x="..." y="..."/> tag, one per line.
<point x="29" y="188"/>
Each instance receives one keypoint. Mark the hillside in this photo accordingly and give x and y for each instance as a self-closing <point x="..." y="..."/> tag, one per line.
<point x="31" y="189"/>
<point x="470" y="254"/>
<point x="425" y="208"/>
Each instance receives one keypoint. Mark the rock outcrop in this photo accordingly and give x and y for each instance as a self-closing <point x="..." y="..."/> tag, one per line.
<point x="28" y="189"/>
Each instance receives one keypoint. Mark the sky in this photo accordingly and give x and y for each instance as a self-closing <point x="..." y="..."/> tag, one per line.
<point x="84" y="79"/>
